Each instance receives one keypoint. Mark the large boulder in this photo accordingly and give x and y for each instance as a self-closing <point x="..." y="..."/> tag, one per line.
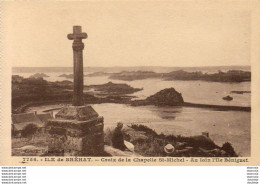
<point x="166" y="97"/>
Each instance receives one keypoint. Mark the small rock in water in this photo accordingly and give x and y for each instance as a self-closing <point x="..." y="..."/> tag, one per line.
<point x="228" y="98"/>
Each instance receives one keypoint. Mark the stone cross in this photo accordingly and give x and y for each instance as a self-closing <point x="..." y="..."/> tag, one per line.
<point x="78" y="47"/>
<point x="76" y="130"/>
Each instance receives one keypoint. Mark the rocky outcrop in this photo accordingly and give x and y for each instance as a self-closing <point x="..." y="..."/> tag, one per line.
<point x="111" y="88"/>
<point x="166" y="97"/>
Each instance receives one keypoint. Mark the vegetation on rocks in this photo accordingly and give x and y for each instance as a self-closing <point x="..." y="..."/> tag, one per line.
<point x="149" y="143"/>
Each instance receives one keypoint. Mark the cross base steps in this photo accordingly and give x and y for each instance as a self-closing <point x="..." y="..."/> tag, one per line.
<point x="76" y="131"/>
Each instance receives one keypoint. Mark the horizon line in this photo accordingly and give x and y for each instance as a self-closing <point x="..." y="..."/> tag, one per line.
<point x="127" y="66"/>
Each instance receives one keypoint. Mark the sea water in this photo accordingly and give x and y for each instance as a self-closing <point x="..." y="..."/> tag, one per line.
<point x="223" y="126"/>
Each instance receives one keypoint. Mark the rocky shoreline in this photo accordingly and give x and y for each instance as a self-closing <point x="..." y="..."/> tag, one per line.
<point x="36" y="91"/>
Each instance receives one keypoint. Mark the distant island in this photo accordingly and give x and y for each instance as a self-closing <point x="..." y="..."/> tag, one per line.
<point x="111" y="89"/>
<point x="97" y="74"/>
<point x="240" y="92"/>
<point x="39" y="75"/>
<point x="69" y="76"/>
<point x="135" y="75"/>
<point x="229" y="76"/>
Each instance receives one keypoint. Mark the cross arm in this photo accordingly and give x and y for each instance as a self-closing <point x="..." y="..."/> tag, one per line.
<point x="77" y="36"/>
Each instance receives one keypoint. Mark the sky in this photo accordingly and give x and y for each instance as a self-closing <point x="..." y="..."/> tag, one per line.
<point x="127" y="33"/>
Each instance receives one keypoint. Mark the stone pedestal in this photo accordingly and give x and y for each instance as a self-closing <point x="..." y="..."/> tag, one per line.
<point x="76" y="131"/>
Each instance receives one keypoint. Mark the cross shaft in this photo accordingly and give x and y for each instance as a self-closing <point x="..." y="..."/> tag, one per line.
<point x="78" y="46"/>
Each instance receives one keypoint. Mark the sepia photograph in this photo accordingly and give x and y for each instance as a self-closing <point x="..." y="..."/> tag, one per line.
<point x="129" y="79"/>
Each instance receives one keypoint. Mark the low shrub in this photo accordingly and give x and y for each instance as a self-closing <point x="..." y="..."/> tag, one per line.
<point x="228" y="148"/>
<point x="29" y="130"/>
